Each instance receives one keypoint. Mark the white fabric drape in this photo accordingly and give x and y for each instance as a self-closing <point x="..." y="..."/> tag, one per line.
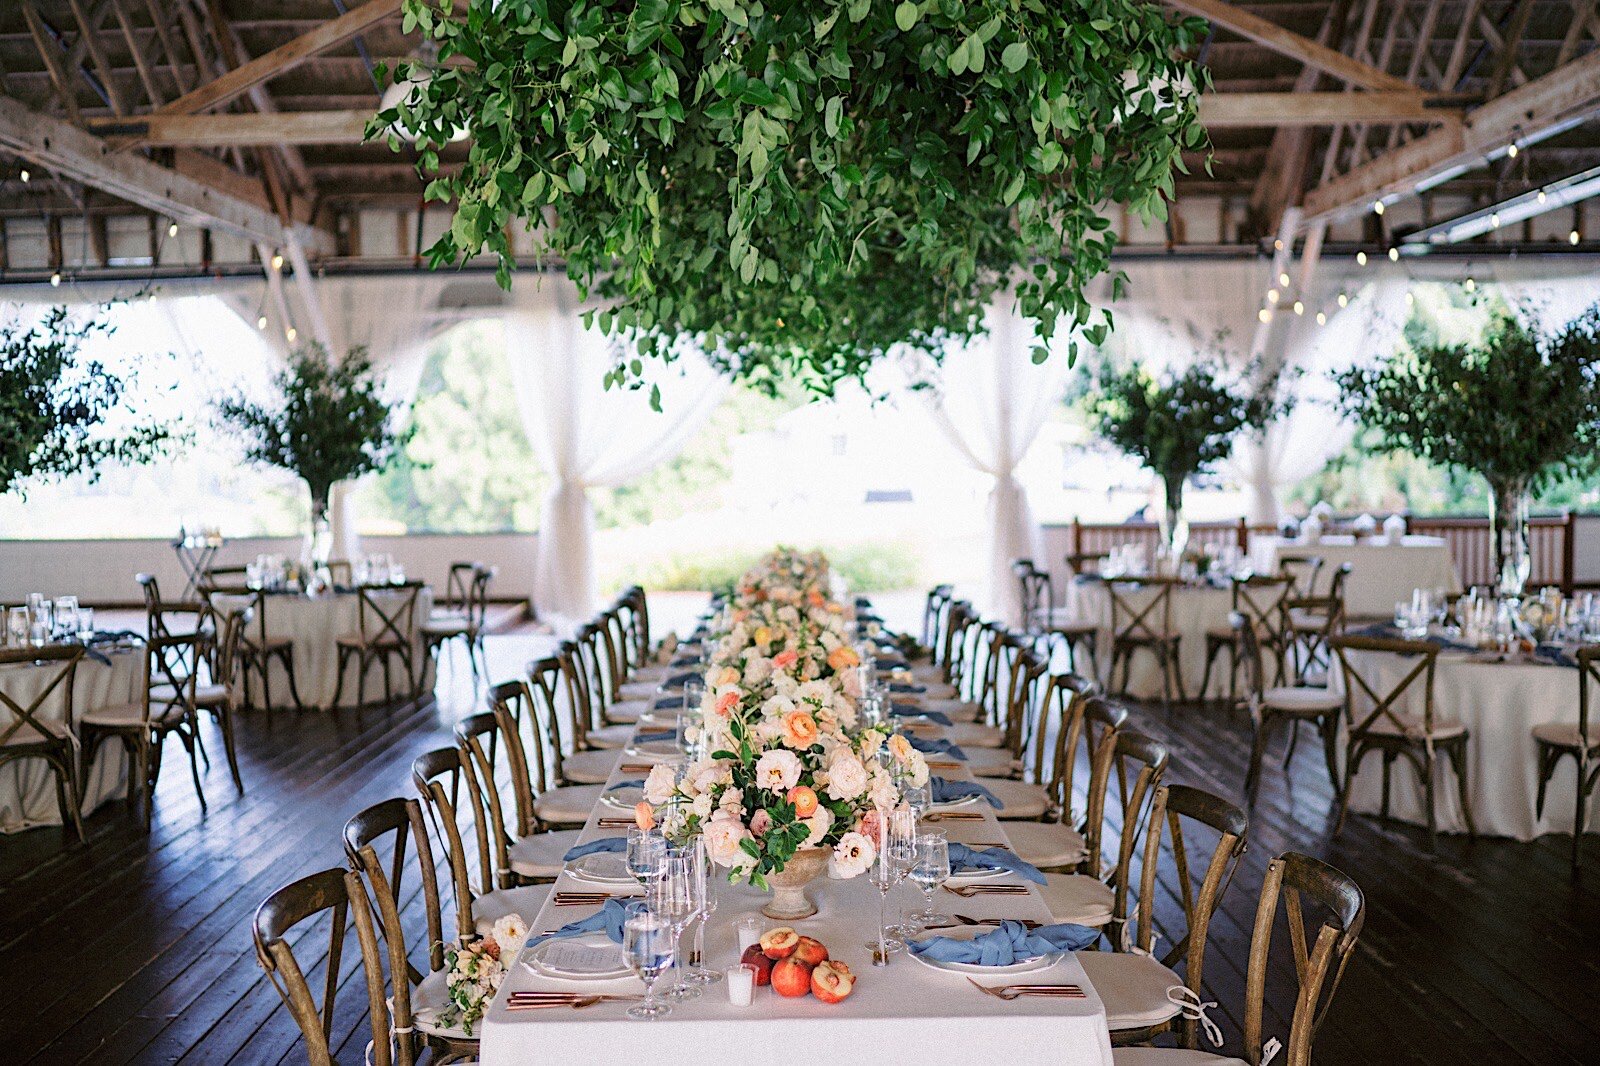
<point x="989" y="400"/>
<point x="1544" y="295"/>
<point x="585" y="435"/>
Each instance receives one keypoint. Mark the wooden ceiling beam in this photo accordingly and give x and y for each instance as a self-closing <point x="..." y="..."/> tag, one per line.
<point x="241" y="79"/>
<point x="1568" y="93"/>
<point x="60" y="74"/>
<point x="1218" y="110"/>
<point x="241" y="130"/>
<point x="88" y="20"/>
<point x="1287" y="42"/>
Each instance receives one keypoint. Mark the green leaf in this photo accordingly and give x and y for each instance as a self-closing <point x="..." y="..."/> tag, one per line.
<point x="906" y="15"/>
<point x="1015" y="56"/>
<point x="577" y="179"/>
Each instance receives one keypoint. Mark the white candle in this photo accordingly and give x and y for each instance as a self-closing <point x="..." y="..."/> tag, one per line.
<point x="749" y="932"/>
<point x="741" y="981"/>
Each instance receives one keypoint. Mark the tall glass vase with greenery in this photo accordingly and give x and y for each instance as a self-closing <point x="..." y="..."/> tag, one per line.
<point x="326" y="421"/>
<point x="1180" y="423"/>
<point x="1517" y="407"/>
<point x="63" y="414"/>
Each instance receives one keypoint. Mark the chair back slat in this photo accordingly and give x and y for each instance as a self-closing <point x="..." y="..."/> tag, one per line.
<point x="401" y="820"/>
<point x="1144" y="760"/>
<point x="61" y="660"/>
<point x="1363" y="677"/>
<point x="438" y="777"/>
<point x="1151" y="620"/>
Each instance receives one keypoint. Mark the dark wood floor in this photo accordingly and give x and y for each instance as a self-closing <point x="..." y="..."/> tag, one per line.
<point x="137" y="949"/>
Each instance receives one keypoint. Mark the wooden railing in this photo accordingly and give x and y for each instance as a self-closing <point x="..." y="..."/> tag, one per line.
<point x="1551" y="539"/>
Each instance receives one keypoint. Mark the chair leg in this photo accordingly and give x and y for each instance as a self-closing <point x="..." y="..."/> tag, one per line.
<point x="1458" y="762"/>
<point x="1212" y="650"/>
<point x="223" y="716"/>
<point x="1329" y="728"/>
<point x="1294" y="738"/>
<point x="287" y="655"/>
<point x="1428" y="772"/>
<point x="1388" y="765"/>
<point x="1577" y="818"/>
<point x="58" y="769"/>
<point x="1258" y="747"/>
<point x="147" y="761"/>
<point x="190" y="736"/>
<point x="1352" y="759"/>
<point x="1546" y="767"/>
<point x="338" y="684"/>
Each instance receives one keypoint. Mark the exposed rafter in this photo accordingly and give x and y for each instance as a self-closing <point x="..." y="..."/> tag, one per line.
<point x="1293" y="45"/>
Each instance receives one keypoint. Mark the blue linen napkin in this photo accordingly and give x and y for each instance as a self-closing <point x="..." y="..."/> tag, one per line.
<point x="1387" y="630"/>
<point x="667" y="703"/>
<point x="1010" y="943"/>
<point x="611" y="844"/>
<point x="1555" y="654"/>
<point x="903" y="688"/>
<point x="620" y="785"/>
<point x="659" y="734"/>
<point x="906" y="710"/>
<point x="678" y="680"/>
<point x="685" y="660"/>
<point x="944" y="791"/>
<point x="938" y="747"/>
<point x="607" y="919"/>
<point x="965" y="858"/>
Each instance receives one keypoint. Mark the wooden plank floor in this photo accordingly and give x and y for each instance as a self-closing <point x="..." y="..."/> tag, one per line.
<point x="137" y="949"/>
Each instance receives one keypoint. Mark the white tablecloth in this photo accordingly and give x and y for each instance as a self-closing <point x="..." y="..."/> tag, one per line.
<point x="1499" y="703"/>
<point x="1195" y="609"/>
<point x="27" y="786"/>
<point x="904" y="1013"/>
<point x="315" y="625"/>
<point x="1381" y="574"/>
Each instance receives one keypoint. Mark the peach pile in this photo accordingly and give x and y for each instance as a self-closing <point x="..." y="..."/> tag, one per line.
<point x="795" y="965"/>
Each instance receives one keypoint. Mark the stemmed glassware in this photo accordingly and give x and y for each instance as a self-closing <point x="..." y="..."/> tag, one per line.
<point x="897" y="847"/>
<point x="647" y="944"/>
<point x="705" y="894"/>
<point x="672" y="899"/>
<point x="930" y="870"/>
<point x="647" y="855"/>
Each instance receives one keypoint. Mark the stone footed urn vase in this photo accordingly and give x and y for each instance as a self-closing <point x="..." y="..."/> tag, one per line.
<point x="789" y="900"/>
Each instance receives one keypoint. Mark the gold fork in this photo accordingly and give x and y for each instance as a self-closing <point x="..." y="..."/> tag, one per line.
<point x="968" y="891"/>
<point x="1010" y="992"/>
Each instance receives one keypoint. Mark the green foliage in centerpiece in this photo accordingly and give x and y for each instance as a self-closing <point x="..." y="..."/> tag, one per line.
<point x="796" y="186"/>
<point x="326" y="421"/>
<point x="62" y="414"/>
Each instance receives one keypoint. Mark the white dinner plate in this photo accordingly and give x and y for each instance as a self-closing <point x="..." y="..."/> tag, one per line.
<point x="601" y="868"/>
<point x="655" y="750"/>
<point x="623" y="799"/>
<point x="586" y="957"/>
<point x="955" y="805"/>
<point x="1038" y="962"/>
<point x="964" y="877"/>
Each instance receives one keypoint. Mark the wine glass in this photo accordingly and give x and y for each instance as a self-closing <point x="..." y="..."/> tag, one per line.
<point x="896" y="850"/>
<point x="647" y="948"/>
<point x="647" y="854"/>
<point x="705" y="893"/>
<point x="672" y="899"/>
<point x="67" y="614"/>
<point x="929" y="871"/>
<point x="917" y="799"/>
<point x="86" y="624"/>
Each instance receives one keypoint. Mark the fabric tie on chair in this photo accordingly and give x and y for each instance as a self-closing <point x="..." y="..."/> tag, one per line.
<point x="907" y="710"/>
<point x="943" y="791"/>
<point x="1008" y="944"/>
<point x="1189" y="1004"/>
<point x="938" y="747"/>
<point x="607" y="919"/>
<point x="612" y="844"/>
<point x="963" y="857"/>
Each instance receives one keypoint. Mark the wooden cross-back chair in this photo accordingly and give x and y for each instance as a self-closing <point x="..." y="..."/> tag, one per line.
<point x="1048" y="624"/>
<point x="440" y="780"/>
<point x="338" y="894"/>
<point x="961" y="622"/>
<point x="1145" y="627"/>
<point x="634" y="619"/>
<point x="466" y="614"/>
<point x="583" y="688"/>
<point x="1068" y="842"/>
<point x="1045" y="709"/>
<point x="1556" y="740"/>
<point x="1261" y="598"/>
<point x="1088" y="722"/>
<point x="1392" y="732"/>
<point x="164" y="706"/>
<point x="1311" y="622"/>
<point x="934" y="610"/>
<point x="1302" y="571"/>
<point x="492" y="751"/>
<point x="386" y="619"/>
<point x="27" y="735"/>
<point x="1294" y="705"/>
<point x="1176" y="813"/>
<point x="1000" y="753"/>
<point x="258" y="648"/>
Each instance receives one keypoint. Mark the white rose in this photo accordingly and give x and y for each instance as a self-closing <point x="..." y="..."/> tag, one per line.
<point x="722" y="836"/>
<point x="883" y="793"/>
<point x="852" y="856"/>
<point x="847" y="777"/>
<point x="732" y="801"/>
<point x="707" y="774"/>
<point x="509" y="932"/>
<point x="820" y="823"/>
<point x="916" y="768"/>
<point x="700" y="807"/>
<point x="757" y="670"/>
<point x="660" y="784"/>
<point x="778" y="771"/>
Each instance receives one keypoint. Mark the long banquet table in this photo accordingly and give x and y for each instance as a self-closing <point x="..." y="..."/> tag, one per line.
<point x="27" y="786"/>
<point x="904" y="1013"/>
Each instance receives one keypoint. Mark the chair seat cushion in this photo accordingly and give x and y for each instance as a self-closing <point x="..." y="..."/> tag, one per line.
<point x="1047" y="843"/>
<point x="539" y="855"/>
<point x="651" y="673"/>
<point x="1169" y="1056"/>
<point x="1078" y="898"/>
<point x="1566" y="736"/>
<point x="568" y="805"/>
<point x="638" y="690"/>
<point x="1302" y="700"/>
<point x="1133" y="988"/>
<point x="527" y="902"/>
<point x="446" y="627"/>
<point x="1304" y="621"/>
<point x="1411" y="725"/>
<point x="992" y="762"/>
<point x="590" y="767"/>
<point x="1022" y="800"/>
<point x="356" y="640"/>
<point x="628" y="711"/>
<point x="609" y="736"/>
<point x="125" y="715"/>
<point x="204" y="695"/>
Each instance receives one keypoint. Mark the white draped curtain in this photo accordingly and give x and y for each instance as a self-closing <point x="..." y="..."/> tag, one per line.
<point x="585" y="435"/>
<point x="989" y="400"/>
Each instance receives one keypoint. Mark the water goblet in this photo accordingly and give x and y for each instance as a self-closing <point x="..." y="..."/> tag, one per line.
<point x="917" y="799"/>
<point x="672" y="899"/>
<point x="931" y="869"/>
<point x="646" y="855"/>
<point x="17" y="626"/>
<point x="705" y="893"/>
<point x="86" y="624"/>
<point x="647" y="948"/>
<point x="896" y="848"/>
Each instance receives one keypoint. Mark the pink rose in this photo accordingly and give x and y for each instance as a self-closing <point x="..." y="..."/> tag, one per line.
<point x="760" y="822"/>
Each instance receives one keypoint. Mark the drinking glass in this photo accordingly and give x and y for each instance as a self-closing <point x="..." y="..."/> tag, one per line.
<point x="86" y="624"/>
<point x="694" y="694"/>
<point x="705" y="894"/>
<point x="44" y="617"/>
<point x="647" y="855"/>
<point x="931" y="869"/>
<point x="896" y="850"/>
<point x="672" y="899"/>
<point x="17" y="626"/>
<point x="647" y="947"/>
<point x="917" y="799"/>
<point x="67" y="614"/>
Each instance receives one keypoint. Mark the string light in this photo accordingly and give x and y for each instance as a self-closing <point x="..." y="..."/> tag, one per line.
<point x="1377" y="207"/>
<point x="1265" y="314"/>
<point x="1277" y="246"/>
<point x="1322" y="319"/>
<point x="172" y="229"/>
<point x="1512" y="150"/>
<point x="291" y="333"/>
<point x="25" y="176"/>
<point x="1572" y="238"/>
<point x="277" y="261"/>
<point x="1471" y="286"/>
<point x="55" y="279"/>
<point x="1494" y="220"/>
<point x="1343" y="300"/>
<point x="261" y="323"/>
<point x="1394" y="255"/>
<point x="1299" y="308"/>
<point x="1411" y="298"/>
<point x="1541" y="196"/>
<point x="1272" y="296"/>
<point x="1283" y="279"/>
<point x="1361" y="259"/>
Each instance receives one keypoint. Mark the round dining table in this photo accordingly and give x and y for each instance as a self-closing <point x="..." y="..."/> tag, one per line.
<point x="1499" y="702"/>
<point x="315" y="624"/>
<point x="1381" y="572"/>
<point x="1197" y="607"/>
<point x="105" y="677"/>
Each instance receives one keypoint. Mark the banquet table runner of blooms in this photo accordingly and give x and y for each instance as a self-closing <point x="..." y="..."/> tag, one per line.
<point x="907" y="1012"/>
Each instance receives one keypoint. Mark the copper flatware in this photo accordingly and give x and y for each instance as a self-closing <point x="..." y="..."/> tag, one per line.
<point x="968" y="891"/>
<point x="966" y="919"/>
<point x="954" y="816"/>
<point x="1010" y="992"/>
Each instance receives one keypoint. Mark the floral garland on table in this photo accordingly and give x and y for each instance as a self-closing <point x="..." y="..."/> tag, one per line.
<point x="474" y="968"/>
<point x="787" y="765"/>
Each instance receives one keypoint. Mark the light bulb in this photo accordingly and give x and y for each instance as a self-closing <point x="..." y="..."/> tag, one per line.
<point x="1272" y="296"/>
<point x="291" y="333"/>
<point x="172" y="229"/>
<point x="1541" y="196"/>
<point x="1377" y="207"/>
<point x="1494" y="220"/>
<point x="1471" y="286"/>
<point x="1572" y="238"/>
<point x="1394" y="255"/>
<point x="1283" y="279"/>
<point x="152" y="296"/>
<point x="1343" y="300"/>
<point x="1411" y="298"/>
<point x="277" y="261"/>
<point x="1277" y="246"/>
<point x="1361" y="259"/>
<point x="1322" y="319"/>
<point x="1299" y="308"/>
<point x="55" y="279"/>
<point x="25" y="176"/>
<point x="261" y="323"/>
<point x="1512" y="149"/>
<point x="1265" y="314"/>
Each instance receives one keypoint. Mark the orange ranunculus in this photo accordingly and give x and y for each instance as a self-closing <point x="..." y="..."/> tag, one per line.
<point x="799" y="729"/>
<point x="644" y="815"/>
<point x="727" y="702"/>
<point x="814" y="597"/>
<point x="899" y="747"/>
<point x="785" y="659"/>
<point x="762" y="635"/>
<point x="804" y="799"/>
<point x="729" y="676"/>
<point x="843" y="658"/>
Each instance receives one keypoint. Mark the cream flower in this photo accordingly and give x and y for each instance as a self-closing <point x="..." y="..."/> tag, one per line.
<point x="722" y="836"/>
<point x="660" y="784"/>
<point x="883" y="793"/>
<point x="847" y="777"/>
<point x="900" y="747"/>
<point x="820" y="823"/>
<point x="509" y="932"/>
<point x="732" y="802"/>
<point x="853" y="856"/>
<point x="778" y="771"/>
